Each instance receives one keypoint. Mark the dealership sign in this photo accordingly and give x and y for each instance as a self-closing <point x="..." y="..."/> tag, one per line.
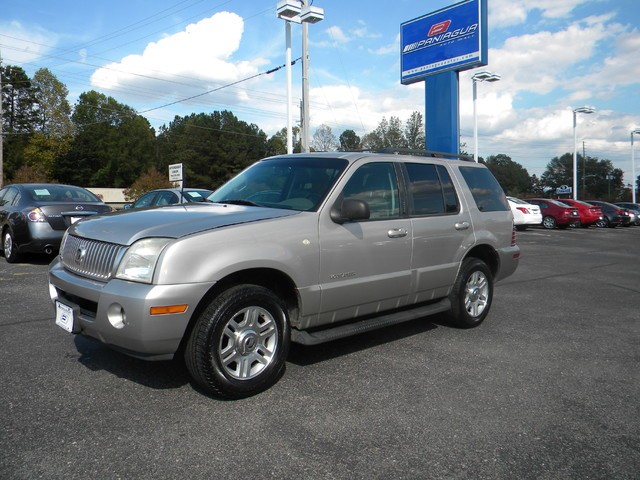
<point x="453" y="38"/>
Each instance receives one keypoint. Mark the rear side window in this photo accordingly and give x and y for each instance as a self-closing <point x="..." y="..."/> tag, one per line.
<point x="485" y="189"/>
<point x="431" y="190"/>
<point x="8" y="196"/>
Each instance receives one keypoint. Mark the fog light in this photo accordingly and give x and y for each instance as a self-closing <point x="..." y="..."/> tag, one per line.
<point x="116" y="316"/>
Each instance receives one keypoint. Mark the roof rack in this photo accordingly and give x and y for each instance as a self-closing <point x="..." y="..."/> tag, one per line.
<point x="423" y="153"/>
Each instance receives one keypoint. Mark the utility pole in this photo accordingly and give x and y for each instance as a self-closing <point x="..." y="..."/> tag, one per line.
<point x="305" y="85"/>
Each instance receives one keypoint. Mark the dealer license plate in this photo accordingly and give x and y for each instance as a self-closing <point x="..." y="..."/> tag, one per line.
<point x="64" y="316"/>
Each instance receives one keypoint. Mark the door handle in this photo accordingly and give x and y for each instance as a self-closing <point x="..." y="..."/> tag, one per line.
<point x="462" y="225"/>
<point x="397" y="232"/>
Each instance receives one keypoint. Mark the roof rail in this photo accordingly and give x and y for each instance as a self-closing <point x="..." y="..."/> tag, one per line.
<point x="424" y="153"/>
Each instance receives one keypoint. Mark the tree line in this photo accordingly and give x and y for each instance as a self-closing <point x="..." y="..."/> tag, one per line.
<point x="100" y="142"/>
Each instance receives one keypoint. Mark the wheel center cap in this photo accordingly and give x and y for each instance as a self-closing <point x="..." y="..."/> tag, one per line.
<point x="474" y="294"/>
<point x="247" y="342"/>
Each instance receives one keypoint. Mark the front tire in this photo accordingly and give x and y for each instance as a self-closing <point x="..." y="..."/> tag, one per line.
<point x="472" y="294"/>
<point x="239" y="343"/>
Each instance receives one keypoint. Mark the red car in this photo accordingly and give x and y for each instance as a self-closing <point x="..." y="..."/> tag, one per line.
<point x="556" y="214"/>
<point x="589" y="214"/>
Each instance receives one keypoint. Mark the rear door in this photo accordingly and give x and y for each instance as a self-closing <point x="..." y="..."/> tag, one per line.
<point x="441" y="226"/>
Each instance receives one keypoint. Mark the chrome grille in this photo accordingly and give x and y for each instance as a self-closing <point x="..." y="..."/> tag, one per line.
<point x="91" y="258"/>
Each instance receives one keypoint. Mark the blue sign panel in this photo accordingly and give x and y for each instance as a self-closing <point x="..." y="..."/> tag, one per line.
<point x="453" y="38"/>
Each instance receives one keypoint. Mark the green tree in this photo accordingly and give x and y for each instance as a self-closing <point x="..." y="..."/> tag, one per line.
<point x="512" y="176"/>
<point x="395" y="135"/>
<point x="414" y="132"/>
<point x="277" y="144"/>
<point x="54" y="110"/>
<point x="212" y="147"/>
<point x="20" y="114"/>
<point x="54" y="129"/>
<point x="113" y="144"/>
<point x="388" y="134"/>
<point x="597" y="179"/>
<point x="349" y="141"/>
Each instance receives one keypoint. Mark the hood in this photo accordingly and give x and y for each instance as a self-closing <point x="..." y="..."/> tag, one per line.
<point x="173" y="221"/>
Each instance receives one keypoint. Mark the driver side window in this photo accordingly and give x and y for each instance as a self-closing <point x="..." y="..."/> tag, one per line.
<point x="375" y="184"/>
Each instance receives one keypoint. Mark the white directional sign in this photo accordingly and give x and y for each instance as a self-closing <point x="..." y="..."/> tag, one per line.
<point x="175" y="172"/>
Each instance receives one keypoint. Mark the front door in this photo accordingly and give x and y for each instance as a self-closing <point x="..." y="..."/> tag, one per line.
<point x="365" y="265"/>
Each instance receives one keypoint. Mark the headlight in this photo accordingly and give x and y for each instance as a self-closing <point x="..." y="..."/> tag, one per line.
<point x="139" y="263"/>
<point x="63" y="242"/>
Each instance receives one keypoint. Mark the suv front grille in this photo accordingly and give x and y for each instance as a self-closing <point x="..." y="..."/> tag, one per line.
<point x="91" y="258"/>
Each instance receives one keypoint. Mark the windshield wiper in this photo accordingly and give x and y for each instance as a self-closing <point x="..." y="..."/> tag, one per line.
<point x="248" y="203"/>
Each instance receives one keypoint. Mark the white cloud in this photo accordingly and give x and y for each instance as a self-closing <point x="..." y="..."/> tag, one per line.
<point x="199" y="56"/>
<point x="388" y="49"/>
<point x="621" y="66"/>
<point x="337" y="34"/>
<point x="542" y="61"/>
<point x="505" y="13"/>
<point x="23" y="44"/>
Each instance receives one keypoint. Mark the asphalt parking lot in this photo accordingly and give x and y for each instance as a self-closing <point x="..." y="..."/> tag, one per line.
<point x="547" y="388"/>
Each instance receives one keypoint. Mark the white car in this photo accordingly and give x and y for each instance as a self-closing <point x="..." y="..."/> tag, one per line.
<point x="524" y="214"/>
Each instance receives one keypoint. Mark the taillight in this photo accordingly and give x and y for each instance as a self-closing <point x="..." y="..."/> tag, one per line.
<point x="36" y="215"/>
<point x="523" y="209"/>
<point x="513" y="236"/>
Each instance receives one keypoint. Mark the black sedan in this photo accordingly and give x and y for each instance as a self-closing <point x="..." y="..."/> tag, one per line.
<point x="34" y="216"/>
<point x="169" y="196"/>
<point x="612" y="215"/>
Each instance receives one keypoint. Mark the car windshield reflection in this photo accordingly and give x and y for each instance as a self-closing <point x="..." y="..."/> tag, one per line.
<point x="289" y="183"/>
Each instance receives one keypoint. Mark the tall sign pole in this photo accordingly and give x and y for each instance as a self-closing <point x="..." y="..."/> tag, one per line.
<point x="434" y="49"/>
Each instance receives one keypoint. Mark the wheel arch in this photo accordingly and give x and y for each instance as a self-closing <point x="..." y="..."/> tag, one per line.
<point x="278" y="282"/>
<point x="488" y="255"/>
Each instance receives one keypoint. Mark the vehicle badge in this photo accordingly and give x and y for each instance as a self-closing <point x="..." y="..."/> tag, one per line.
<point x="80" y="254"/>
<point x="79" y="207"/>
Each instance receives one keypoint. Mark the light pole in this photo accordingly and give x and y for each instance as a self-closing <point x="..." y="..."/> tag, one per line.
<point x="288" y="11"/>
<point x="479" y="77"/>
<point x="633" y="167"/>
<point x="584" y="109"/>
<point x="298" y="11"/>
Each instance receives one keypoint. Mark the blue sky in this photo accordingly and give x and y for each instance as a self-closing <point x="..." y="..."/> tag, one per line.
<point x="553" y="56"/>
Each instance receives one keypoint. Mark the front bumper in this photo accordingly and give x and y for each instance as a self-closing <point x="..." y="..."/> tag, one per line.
<point x="117" y="313"/>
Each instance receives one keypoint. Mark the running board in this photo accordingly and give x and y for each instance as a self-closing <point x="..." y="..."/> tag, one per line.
<point x="341" y="331"/>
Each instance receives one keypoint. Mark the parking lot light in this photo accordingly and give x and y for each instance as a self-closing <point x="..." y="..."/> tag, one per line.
<point x="479" y="77"/>
<point x="587" y="110"/>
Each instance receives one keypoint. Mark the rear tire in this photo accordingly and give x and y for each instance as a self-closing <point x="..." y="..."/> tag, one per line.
<point x="9" y="247"/>
<point x="239" y="343"/>
<point x="549" y="222"/>
<point x="472" y="294"/>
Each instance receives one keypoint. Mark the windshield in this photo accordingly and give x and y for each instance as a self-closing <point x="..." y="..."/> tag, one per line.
<point x="292" y="183"/>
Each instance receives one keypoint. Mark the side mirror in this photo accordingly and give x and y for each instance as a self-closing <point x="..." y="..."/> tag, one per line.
<point x="127" y="206"/>
<point x="349" y="210"/>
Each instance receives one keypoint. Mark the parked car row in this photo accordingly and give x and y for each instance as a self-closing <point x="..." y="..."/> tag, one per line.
<point x="566" y="212"/>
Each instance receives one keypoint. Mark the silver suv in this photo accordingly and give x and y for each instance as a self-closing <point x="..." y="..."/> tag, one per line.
<point x="301" y="248"/>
